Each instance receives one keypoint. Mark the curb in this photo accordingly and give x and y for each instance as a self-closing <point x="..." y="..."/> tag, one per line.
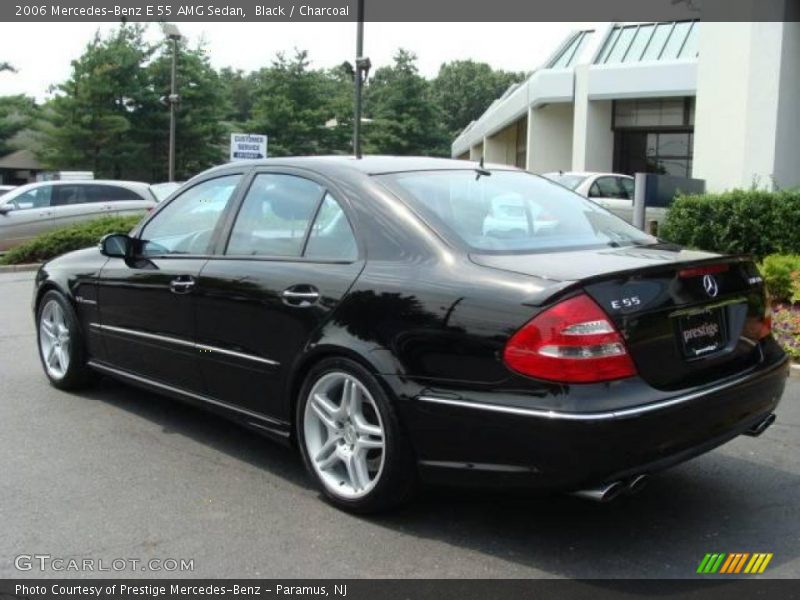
<point x="20" y="268"/>
<point x="794" y="371"/>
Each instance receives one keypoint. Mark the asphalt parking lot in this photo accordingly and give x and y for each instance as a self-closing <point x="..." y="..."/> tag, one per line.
<point x="119" y="473"/>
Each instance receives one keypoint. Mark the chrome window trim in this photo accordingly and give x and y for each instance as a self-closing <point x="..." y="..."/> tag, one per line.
<point x="600" y="416"/>
<point x="184" y="343"/>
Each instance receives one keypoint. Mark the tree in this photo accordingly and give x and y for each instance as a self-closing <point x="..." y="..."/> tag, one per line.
<point x="240" y="90"/>
<point x="92" y="119"/>
<point x="110" y="116"/>
<point x="16" y="115"/>
<point x="405" y="120"/>
<point x="464" y="89"/>
<point x="200" y="129"/>
<point x="292" y="105"/>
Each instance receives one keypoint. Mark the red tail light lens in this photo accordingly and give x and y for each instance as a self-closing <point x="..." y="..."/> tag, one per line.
<point x="571" y="342"/>
<point x="766" y="321"/>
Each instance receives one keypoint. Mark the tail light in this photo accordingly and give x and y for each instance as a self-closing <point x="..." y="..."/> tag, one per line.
<point x="765" y="328"/>
<point x="572" y="342"/>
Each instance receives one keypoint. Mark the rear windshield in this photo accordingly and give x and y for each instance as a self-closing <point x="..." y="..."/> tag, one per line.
<point x="510" y="211"/>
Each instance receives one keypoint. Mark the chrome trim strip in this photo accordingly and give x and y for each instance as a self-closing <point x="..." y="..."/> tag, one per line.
<point x="597" y="416"/>
<point x="176" y="390"/>
<point x="184" y="343"/>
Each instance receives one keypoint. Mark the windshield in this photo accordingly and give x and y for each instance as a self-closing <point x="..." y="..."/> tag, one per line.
<point x="567" y="180"/>
<point x="510" y="211"/>
<point x="162" y="190"/>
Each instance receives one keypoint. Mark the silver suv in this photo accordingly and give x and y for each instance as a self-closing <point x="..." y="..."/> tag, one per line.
<point x="36" y="208"/>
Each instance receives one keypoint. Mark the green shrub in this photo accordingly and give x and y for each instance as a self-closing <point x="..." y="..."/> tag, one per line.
<point x="740" y="221"/>
<point x="73" y="237"/>
<point x="781" y="273"/>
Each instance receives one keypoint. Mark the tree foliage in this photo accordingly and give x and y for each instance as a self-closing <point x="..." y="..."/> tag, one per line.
<point x="110" y="115"/>
<point x="16" y="114"/>
<point x="464" y="89"/>
<point x="405" y="120"/>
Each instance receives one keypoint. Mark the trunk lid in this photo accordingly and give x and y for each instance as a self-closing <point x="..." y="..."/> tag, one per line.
<point x="688" y="318"/>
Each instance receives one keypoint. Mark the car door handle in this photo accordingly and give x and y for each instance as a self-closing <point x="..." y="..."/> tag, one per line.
<point x="300" y="295"/>
<point x="182" y="284"/>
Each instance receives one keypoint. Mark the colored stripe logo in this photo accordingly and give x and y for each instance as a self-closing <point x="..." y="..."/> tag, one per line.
<point x="736" y="562"/>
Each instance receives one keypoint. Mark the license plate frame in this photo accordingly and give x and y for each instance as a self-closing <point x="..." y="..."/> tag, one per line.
<point x="702" y="334"/>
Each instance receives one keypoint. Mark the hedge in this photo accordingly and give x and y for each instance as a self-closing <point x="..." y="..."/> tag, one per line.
<point x="782" y="276"/>
<point x="74" y="237"/>
<point x="740" y="221"/>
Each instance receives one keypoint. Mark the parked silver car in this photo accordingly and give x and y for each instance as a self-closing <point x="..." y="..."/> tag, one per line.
<point x="31" y="209"/>
<point x="613" y="191"/>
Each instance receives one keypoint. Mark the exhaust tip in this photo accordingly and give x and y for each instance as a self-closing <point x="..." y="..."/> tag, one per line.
<point x="760" y="427"/>
<point x="603" y="493"/>
<point x="637" y="484"/>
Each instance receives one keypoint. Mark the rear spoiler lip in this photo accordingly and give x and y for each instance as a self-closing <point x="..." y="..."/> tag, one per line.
<point x="560" y="290"/>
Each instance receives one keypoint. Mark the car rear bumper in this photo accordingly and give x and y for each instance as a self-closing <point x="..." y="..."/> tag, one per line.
<point x="463" y="442"/>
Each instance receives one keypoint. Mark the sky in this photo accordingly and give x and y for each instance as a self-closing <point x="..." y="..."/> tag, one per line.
<point x="41" y="52"/>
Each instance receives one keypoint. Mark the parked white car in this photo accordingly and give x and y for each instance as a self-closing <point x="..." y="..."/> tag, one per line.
<point x="510" y="216"/>
<point x="35" y="208"/>
<point x="613" y="191"/>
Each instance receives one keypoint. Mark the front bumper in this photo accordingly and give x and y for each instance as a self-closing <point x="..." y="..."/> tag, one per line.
<point x="463" y="442"/>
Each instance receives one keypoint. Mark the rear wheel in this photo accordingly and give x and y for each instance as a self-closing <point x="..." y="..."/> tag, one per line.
<point x="351" y="440"/>
<point x="60" y="342"/>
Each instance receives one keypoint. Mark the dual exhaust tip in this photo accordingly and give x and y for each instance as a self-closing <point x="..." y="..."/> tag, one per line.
<point x="609" y="491"/>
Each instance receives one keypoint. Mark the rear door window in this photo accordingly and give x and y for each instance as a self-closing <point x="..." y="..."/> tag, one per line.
<point x="275" y="216"/>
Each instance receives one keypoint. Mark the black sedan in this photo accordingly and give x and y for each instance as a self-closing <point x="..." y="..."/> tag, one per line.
<point x="411" y="319"/>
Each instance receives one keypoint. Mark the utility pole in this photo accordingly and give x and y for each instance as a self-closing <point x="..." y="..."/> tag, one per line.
<point x="173" y="35"/>
<point x="361" y="72"/>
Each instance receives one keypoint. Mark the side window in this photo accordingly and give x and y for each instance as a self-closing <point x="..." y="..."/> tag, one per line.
<point x="627" y="187"/>
<point x="35" y="198"/>
<point x="606" y="187"/>
<point x="274" y="216"/>
<point x="331" y="237"/>
<point x="111" y="193"/>
<point x="66" y="195"/>
<point x="186" y="224"/>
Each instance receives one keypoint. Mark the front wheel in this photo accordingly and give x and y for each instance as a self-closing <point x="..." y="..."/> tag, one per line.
<point x="60" y="343"/>
<point x="351" y="440"/>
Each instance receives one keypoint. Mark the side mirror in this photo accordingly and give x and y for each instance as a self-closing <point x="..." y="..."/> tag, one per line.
<point x="116" y="245"/>
<point x="5" y="209"/>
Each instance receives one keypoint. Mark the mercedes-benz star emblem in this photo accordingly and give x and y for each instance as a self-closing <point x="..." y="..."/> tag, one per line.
<point x="710" y="285"/>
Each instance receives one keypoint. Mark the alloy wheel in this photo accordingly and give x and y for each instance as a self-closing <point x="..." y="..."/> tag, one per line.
<point x="344" y="435"/>
<point x="54" y="339"/>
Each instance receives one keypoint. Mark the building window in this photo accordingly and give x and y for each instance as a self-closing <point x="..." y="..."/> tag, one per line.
<point x="521" y="158"/>
<point x="664" y="152"/>
<point x="661" y="112"/>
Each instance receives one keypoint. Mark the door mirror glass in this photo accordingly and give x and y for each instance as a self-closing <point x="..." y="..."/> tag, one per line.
<point x="116" y="245"/>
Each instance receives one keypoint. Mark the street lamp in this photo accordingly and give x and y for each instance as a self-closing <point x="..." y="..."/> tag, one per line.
<point x="172" y="33"/>
<point x="361" y="73"/>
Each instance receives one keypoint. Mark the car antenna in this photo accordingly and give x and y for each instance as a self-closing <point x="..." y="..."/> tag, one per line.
<point x="481" y="171"/>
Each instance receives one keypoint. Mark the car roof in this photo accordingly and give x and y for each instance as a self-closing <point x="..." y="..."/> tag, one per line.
<point x="369" y="165"/>
<point x="589" y="174"/>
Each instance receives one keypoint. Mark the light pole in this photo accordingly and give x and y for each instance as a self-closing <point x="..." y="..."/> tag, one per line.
<point x="361" y="72"/>
<point x="174" y="35"/>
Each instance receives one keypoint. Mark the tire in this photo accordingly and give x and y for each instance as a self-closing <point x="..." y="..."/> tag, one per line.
<point x="60" y="343"/>
<point x="356" y="451"/>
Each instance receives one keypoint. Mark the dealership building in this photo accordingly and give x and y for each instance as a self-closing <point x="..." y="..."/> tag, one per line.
<point x="710" y="100"/>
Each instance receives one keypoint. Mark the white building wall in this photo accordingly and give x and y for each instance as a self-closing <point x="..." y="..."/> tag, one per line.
<point x="787" y="144"/>
<point x="739" y="84"/>
<point x="550" y="138"/>
<point x="592" y="139"/>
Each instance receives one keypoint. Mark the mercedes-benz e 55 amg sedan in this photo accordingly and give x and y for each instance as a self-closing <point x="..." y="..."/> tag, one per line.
<point x="364" y="311"/>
